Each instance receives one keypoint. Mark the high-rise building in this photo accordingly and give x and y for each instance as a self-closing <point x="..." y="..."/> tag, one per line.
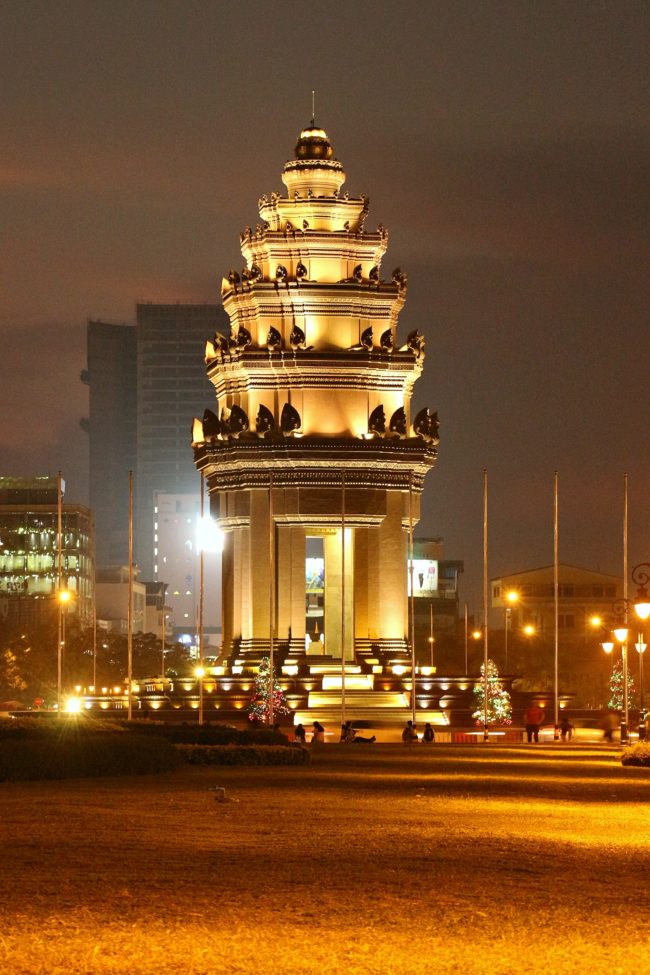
<point x="172" y="388"/>
<point x="146" y="382"/>
<point x="111" y="378"/>
<point x="29" y="549"/>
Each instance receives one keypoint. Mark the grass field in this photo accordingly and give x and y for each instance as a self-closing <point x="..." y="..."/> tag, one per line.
<point x="373" y="859"/>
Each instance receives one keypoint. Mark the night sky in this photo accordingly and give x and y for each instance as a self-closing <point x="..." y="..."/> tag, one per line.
<point x="504" y="145"/>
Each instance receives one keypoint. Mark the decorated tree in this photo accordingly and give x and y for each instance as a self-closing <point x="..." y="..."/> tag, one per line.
<point x="499" y="708"/>
<point x="616" y="687"/>
<point x="259" y="708"/>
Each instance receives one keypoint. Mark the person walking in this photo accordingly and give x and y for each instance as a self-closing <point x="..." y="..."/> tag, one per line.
<point x="533" y="718"/>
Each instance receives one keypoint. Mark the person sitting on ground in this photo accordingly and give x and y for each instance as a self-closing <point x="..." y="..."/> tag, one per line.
<point x="409" y="735"/>
<point x="318" y="733"/>
<point x="566" y="729"/>
<point x="347" y="732"/>
<point x="429" y="735"/>
<point x="299" y="734"/>
<point x="361" y="739"/>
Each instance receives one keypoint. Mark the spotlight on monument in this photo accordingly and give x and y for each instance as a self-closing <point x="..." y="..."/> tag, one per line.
<point x="209" y="537"/>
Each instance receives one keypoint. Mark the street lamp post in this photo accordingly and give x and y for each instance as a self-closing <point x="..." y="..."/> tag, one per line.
<point x="199" y="673"/>
<point x="512" y="597"/>
<point x="640" y="646"/>
<point x="641" y="577"/>
<point x="64" y="599"/>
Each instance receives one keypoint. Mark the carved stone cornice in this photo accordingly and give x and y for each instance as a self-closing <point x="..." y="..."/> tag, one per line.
<point x="247" y="463"/>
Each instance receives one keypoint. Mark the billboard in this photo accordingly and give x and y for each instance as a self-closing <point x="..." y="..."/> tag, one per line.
<point x="425" y="577"/>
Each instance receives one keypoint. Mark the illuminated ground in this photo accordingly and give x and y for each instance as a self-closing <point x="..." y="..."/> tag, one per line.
<point x="374" y="859"/>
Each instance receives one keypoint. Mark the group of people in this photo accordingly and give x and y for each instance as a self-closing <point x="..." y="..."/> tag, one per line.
<point x="317" y="733"/>
<point x="350" y="736"/>
<point x="533" y="720"/>
<point x="410" y="735"/>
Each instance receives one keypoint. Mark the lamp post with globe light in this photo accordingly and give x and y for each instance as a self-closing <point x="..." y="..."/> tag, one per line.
<point x="63" y="597"/>
<point x="641" y="577"/>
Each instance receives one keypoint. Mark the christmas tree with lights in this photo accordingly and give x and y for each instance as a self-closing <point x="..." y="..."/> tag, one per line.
<point x="499" y="708"/>
<point x="259" y="708"/>
<point x="616" y="688"/>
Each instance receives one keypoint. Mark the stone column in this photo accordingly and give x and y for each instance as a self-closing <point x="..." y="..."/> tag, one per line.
<point x="333" y="594"/>
<point x="392" y="567"/>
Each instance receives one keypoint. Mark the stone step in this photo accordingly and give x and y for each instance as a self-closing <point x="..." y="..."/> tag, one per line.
<point x="385" y="724"/>
<point x="355" y="699"/>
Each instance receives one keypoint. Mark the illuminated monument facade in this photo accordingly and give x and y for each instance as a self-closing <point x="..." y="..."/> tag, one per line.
<point x="312" y="458"/>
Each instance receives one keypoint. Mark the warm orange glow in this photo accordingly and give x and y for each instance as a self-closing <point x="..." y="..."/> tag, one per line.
<point x="529" y="629"/>
<point x="199" y="672"/>
<point x="64" y="596"/>
<point x="621" y="633"/>
<point x="595" y="621"/>
<point x="642" y="610"/>
<point x="477" y="634"/>
<point x="608" y="646"/>
<point x="512" y="596"/>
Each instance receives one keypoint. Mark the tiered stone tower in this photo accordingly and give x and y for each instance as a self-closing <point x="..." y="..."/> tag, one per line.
<point x="313" y="431"/>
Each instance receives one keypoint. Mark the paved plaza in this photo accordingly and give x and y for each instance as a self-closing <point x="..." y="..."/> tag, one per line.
<point x="373" y="859"/>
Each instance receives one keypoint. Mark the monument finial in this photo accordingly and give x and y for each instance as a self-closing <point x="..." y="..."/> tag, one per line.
<point x="313" y="108"/>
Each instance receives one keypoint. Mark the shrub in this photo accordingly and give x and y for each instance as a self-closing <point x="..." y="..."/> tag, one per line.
<point x="209" y="734"/>
<point x="55" y="726"/>
<point x="85" y="755"/>
<point x="638" y="754"/>
<point x="244" y="754"/>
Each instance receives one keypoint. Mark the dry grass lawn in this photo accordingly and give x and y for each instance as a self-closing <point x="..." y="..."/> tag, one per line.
<point x="481" y="860"/>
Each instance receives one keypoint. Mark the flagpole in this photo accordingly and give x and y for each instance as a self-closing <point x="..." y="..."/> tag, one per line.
<point x="271" y="598"/>
<point x="129" y="635"/>
<point x="466" y="638"/>
<point x="201" y="598"/>
<point x="59" y="550"/>
<point x="412" y="612"/>
<point x="556" y="598"/>
<point x="486" y="733"/>
<point x="342" y="601"/>
<point x="625" y="722"/>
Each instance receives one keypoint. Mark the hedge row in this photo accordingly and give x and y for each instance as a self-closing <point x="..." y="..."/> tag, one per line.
<point x="55" y="726"/>
<point x="85" y="756"/>
<point x="637" y="755"/>
<point x="208" y="734"/>
<point x="244" y="754"/>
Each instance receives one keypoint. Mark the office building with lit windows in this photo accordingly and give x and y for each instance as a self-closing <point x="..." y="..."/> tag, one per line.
<point x="29" y="552"/>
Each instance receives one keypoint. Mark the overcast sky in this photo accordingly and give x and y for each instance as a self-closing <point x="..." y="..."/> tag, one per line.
<point x="505" y="145"/>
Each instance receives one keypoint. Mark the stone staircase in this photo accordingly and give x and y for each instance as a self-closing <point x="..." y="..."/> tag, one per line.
<point x="372" y="712"/>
